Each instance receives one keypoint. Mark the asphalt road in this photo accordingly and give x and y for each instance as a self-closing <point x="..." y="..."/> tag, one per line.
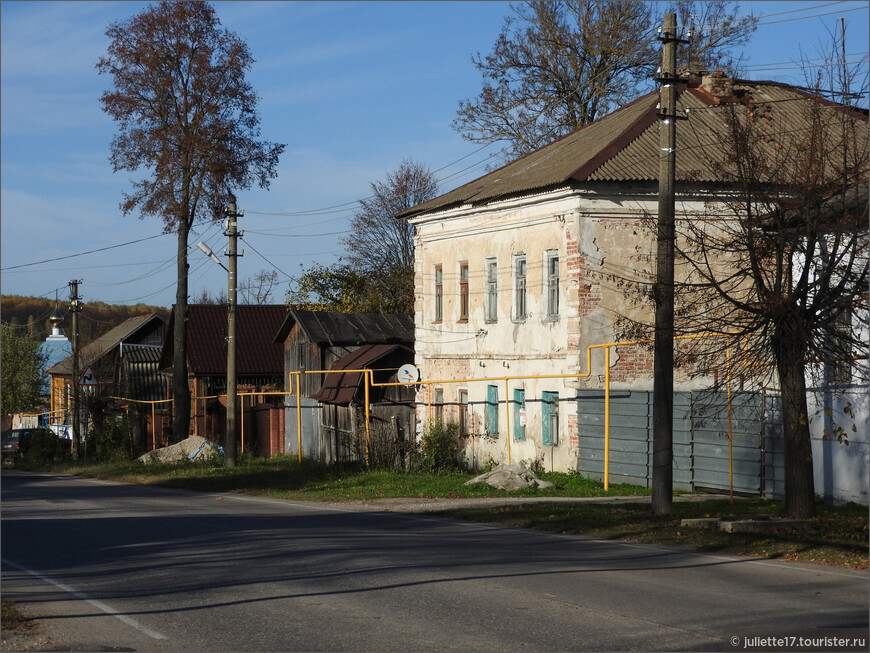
<point x="122" y="567"/>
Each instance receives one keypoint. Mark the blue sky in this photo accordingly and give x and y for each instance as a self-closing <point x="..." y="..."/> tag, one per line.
<point x="352" y="88"/>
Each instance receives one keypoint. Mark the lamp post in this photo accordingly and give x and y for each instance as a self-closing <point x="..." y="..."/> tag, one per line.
<point x="231" y="231"/>
<point x="232" y="396"/>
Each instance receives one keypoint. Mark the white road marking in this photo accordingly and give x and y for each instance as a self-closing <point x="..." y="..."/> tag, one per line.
<point x="94" y="602"/>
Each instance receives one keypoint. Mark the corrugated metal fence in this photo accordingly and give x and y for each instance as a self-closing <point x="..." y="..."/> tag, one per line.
<point x="700" y="440"/>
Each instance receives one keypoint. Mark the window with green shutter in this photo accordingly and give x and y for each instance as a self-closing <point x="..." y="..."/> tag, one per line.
<point x="519" y="425"/>
<point x="492" y="410"/>
<point x="550" y="418"/>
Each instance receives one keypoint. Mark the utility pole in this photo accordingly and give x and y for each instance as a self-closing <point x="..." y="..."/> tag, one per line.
<point x="663" y="361"/>
<point x="232" y="394"/>
<point x="75" y="308"/>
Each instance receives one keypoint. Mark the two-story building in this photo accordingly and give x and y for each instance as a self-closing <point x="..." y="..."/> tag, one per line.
<point x="525" y="273"/>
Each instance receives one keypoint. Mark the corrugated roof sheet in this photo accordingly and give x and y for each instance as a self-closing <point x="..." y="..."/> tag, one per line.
<point x="624" y="146"/>
<point x="323" y="327"/>
<point x="142" y="379"/>
<point x="342" y="388"/>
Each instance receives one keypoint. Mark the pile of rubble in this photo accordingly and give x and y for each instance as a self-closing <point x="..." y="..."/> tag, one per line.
<point x="193" y="448"/>
<point x="510" y="477"/>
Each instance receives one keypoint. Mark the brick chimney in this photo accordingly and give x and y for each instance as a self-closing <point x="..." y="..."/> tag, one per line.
<point x="718" y="84"/>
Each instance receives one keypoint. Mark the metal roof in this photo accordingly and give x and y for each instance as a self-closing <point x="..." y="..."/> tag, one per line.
<point x="342" y="388"/>
<point x="142" y="379"/>
<point x="323" y="327"/>
<point x="624" y="146"/>
<point x="256" y="351"/>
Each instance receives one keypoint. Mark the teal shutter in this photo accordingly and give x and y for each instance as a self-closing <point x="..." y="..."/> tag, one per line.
<point x="550" y="418"/>
<point x="519" y="414"/>
<point x="492" y="410"/>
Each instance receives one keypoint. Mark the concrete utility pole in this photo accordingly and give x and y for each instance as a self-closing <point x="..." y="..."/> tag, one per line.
<point x="232" y="394"/>
<point x="75" y="308"/>
<point x="663" y="361"/>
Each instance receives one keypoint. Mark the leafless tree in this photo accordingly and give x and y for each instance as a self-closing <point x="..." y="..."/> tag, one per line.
<point x="781" y="264"/>
<point x="560" y="65"/>
<point x="258" y="288"/>
<point x="186" y="115"/>
<point x="380" y="247"/>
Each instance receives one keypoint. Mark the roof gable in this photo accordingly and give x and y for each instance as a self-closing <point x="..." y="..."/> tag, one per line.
<point x="341" y="388"/>
<point x="132" y="330"/>
<point x="324" y="327"/>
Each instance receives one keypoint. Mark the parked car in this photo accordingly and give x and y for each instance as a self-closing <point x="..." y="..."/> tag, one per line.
<point x="16" y="442"/>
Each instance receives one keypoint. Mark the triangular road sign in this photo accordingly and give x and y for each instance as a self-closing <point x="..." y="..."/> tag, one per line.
<point x="88" y="378"/>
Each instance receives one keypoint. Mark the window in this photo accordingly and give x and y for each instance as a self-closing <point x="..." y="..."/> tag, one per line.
<point x="463" y="292"/>
<point x="520" y="287"/>
<point x="519" y="414"/>
<point x="839" y="369"/>
<point x="551" y="278"/>
<point x="491" y="311"/>
<point x="550" y="418"/>
<point x="439" y="293"/>
<point x="438" y="405"/>
<point x="463" y="412"/>
<point x="492" y="410"/>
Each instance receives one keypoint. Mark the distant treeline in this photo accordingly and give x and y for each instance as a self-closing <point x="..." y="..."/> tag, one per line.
<point x="30" y="314"/>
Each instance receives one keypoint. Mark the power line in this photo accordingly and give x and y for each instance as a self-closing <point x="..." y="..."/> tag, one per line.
<point x="93" y="251"/>
<point x="292" y="278"/>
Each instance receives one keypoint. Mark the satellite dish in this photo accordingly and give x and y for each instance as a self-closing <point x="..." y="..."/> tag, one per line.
<point x="408" y="374"/>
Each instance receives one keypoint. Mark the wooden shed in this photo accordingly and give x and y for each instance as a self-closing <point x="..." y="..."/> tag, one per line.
<point x="327" y="349"/>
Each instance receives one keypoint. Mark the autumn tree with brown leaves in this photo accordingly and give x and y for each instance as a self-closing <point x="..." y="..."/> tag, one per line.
<point x="188" y="117"/>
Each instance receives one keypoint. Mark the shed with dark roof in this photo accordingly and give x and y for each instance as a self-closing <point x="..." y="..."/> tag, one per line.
<point x="340" y="346"/>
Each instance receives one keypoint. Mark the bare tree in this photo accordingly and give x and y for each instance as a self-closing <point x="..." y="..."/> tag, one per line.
<point x="380" y="247"/>
<point x="205" y="297"/>
<point x="559" y="65"/>
<point x="377" y="239"/>
<point x="187" y="115"/>
<point x="782" y="266"/>
<point x="257" y="289"/>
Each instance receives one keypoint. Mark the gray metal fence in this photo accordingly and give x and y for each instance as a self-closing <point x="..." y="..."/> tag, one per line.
<point x="700" y="440"/>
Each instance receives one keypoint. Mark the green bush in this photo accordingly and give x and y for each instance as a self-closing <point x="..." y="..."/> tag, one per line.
<point x="112" y="440"/>
<point x="439" y="447"/>
<point x="46" y="447"/>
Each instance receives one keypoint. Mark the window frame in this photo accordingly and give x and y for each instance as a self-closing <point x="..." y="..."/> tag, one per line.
<point x="550" y="419"/>
<point x="438" y="404"/>
<point x="464" y="303"/>
<point x="439" y="292"/>
<point x="551" y="285"/>
<point x="519" y="402"/>
<point x="520" y="286"/>
<point x="490" y="295"/>
<point x="491" y="416"/>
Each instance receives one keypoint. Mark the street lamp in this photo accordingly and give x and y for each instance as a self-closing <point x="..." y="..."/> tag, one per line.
<point x="205" y="249"/>
<point x="231" y="226"/>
